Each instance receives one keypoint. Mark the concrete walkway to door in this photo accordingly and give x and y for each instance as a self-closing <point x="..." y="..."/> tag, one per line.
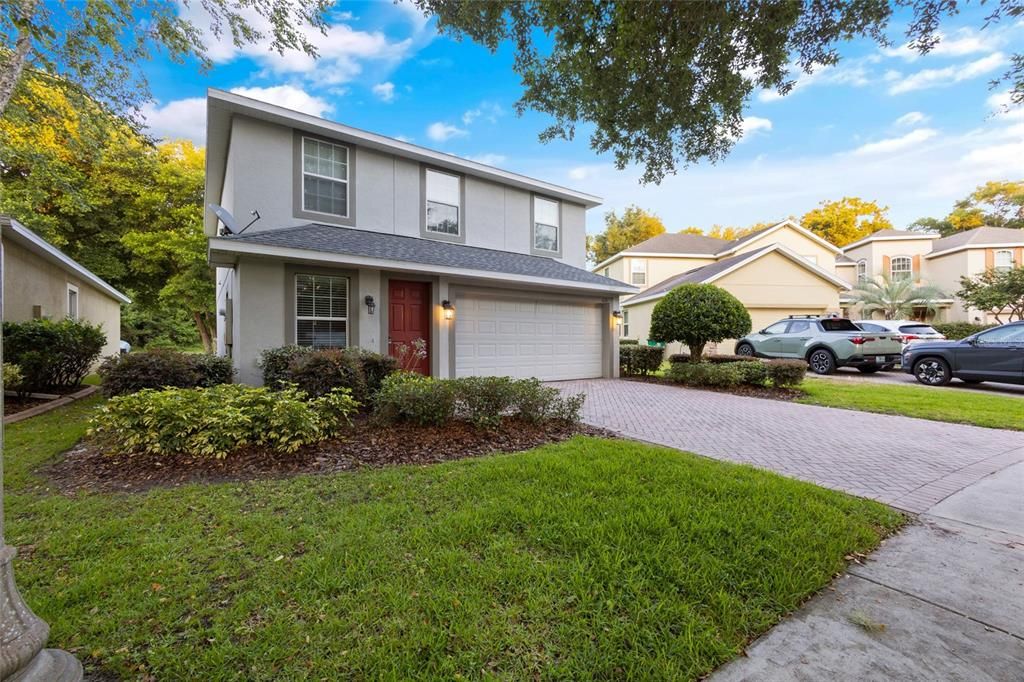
<point x="909" y="463"/>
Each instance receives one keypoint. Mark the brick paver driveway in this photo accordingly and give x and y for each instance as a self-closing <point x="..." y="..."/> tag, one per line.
<point x="908" y="463"/>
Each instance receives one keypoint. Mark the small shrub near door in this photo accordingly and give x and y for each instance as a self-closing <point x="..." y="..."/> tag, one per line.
<point x="52" y="355"/>
<point x="276" y="363"/>
<point x="213" y="422"/>
<point x="482" y="401"/>
<point x="636" y="360"/>
<point x="297" y="364"/>
<point x="322" y="371"/>
<point x="122" y="374"/>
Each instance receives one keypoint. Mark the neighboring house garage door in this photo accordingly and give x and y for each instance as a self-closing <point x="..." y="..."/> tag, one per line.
<point x="527" y="338"/>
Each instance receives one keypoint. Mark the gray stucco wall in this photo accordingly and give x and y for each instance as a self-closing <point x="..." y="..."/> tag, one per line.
<point x="386" y="196"/>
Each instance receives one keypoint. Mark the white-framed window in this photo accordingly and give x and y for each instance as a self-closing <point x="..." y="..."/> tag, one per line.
<point x="547" y="225"/>
<point x="324" y="177"/>
<point x="321" y="311"/>
<point x="72" y="310"/>
<point x="444" y="203"/>
<point x="1003" y="260"/>
<point x="901" y="267"/>
<point x="625" y="322"/>
<point x="862" y="271"/>
<point x="638" y="272"/>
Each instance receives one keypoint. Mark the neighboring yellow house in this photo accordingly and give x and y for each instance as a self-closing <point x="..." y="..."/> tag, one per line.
<point x="39" y="280"/>
<point x="930" y="259"/>
<point x="775" y="272"/>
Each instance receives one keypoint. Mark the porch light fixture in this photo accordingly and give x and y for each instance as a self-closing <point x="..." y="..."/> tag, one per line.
<point x="449" y="309"/>
<point x="617" y="314"/>
<point x="371" y="305"/>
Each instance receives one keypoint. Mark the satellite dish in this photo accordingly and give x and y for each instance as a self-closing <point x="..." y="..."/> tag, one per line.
<point x="225" y="217"/>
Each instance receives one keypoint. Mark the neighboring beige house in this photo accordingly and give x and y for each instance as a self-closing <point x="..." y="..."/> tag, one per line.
<point x="368" y="241"/>
<point x="775" y="272"/>
<point x="930" y="259"/>
<point x="39" y="280"/>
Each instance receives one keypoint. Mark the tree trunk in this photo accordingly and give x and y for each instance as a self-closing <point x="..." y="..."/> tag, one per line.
<point x="14" y="65"/>
<point x="204" y="330"/>
<point x="696" y="351"/>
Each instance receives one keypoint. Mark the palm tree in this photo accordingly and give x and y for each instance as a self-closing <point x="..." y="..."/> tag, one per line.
<point x="895" y="298"/>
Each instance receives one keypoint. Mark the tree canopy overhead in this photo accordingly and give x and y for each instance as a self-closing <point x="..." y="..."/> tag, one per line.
<point x="664" y="83"/>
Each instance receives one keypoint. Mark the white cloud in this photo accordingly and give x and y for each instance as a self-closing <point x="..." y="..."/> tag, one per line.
<point x="933" y="78"/>
<point x="344" y="52"/>
<point x="487" y="111"/>
<point x="586" y="172"/>
<point x="852" y="72"/>
<point x="895" y="144"/>
<point x="911" y="118"/>
<point x="439" y="131"/>
<point x="489" y="159"/>
<point x="754" y="124"/>
<point x="385" y="92"/>
<point x="1003" y="107"/>
<point x="961" y="43"/>
<point x="186" y="118"/>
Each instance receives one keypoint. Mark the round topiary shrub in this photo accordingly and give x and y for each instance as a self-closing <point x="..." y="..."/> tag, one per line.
<point x="696" y="315"/>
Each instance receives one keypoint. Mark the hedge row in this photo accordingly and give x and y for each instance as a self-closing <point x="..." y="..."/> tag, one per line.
<point x="960" y="330"/>
<point x="212" y="422"/>
<point x="771" y="373"/>
<point x="151" y="369"/>
<point x="713" y="359"/>
<point x="51" y="355"/>
<point x="482" y="401"/>
<point x="318" y="371"/>
<point x="635" y="360"/>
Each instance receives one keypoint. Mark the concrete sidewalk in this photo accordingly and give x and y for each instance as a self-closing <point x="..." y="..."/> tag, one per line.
<point x="943" y="600"/>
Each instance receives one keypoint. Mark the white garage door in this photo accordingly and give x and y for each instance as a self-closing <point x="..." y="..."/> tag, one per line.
<point x="527" y="338"/>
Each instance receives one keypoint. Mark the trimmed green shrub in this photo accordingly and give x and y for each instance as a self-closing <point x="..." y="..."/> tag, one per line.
<point x="213" y="422"/>
<point x="322" y="371"/>
<point x="640" y="360"/>
<point x="752" y="372"/>
<point x="412" y="397"/>
<point x="629" y="342"/>
<point x="12" y="376"/>
<point x="705" y="374"/>
<point x="960" y="330"/>
<point x="786" y="373"/>
<point x="52" y="355"/>
<point x="698" y="314"/>
<point x="482" y="401"/>
<point x="275" y="363"/>
<point x="280" y="365"/>
<point x="133" y="372"/>
<point x="714" y="359"/>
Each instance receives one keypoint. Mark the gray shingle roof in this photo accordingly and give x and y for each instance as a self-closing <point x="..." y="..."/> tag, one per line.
<point x="367" y="244"/>
<point x="696" y="276"/>
<point x="843" y="259"/>
<point x="678" y="243"/>
<point x="979" y="235"/>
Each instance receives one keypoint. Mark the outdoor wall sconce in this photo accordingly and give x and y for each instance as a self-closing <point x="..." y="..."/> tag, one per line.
<point x="617" y="314"/>
<point x="449" y="309"/>
<point x="371" y="305"/>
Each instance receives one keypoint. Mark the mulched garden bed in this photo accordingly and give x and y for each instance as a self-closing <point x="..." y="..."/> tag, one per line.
<point x="88" y="468"/>
<point x="785" y="394"/>
<point x="14" y="405"/>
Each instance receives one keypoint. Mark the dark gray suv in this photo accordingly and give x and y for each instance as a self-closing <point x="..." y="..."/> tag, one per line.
<point x="995" y="354"/>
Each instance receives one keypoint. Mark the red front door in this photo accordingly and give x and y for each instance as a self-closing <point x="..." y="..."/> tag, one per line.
<point x="408" y="321"/>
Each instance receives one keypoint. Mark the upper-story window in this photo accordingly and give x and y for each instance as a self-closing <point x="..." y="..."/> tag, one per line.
<point x="901" y="267"/>
<point x="637" y="271"/>
<point x="547" y="225"/>
<point x="324" y="177"/>
<point x="862" y="271"/>
<point x="1003" y="260"/>
<point x="444" y="203"/>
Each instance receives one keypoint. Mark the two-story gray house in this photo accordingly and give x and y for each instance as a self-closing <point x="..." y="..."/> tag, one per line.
<point x="364" y="240"/>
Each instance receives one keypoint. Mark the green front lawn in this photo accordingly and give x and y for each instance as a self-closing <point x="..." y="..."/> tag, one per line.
<point x="588" y="559"/>
<point x="965" y="407"/>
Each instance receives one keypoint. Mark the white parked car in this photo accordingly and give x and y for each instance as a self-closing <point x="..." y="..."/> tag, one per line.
<point x="908" y="330"/>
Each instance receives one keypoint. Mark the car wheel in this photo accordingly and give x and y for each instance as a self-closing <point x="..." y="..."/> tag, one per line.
<point x="932" y="371"/>
<point x="867" y="369"/>
<point x="822" y="361"/>
<point x="745" y="349"/>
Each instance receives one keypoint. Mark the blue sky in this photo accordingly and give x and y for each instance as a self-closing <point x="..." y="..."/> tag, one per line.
<point x="914" y="133"/>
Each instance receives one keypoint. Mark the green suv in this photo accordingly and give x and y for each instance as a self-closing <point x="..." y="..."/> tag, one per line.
<point x="826" y="343"/>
